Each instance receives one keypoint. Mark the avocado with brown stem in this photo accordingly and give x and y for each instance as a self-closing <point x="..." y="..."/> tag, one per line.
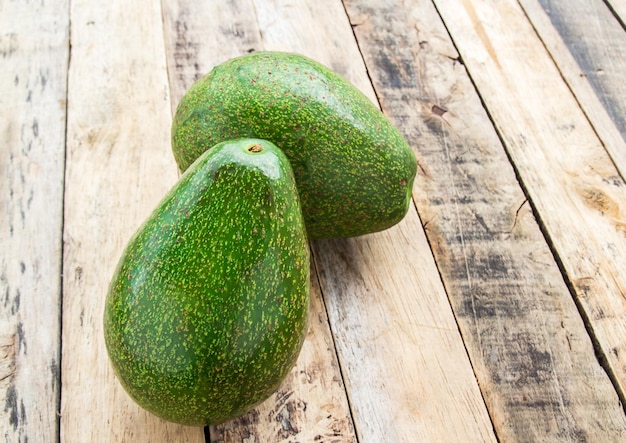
<point x="208" y="307"/>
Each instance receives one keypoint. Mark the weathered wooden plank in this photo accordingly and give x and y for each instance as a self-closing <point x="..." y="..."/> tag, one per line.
<point x="119" y="165"/>
<point x="403" y="361"/>
<point x="34" y="48"/>
<point x="588" y="45"/>
<point x="529" y="347"/>
<point x="570" y="179"/>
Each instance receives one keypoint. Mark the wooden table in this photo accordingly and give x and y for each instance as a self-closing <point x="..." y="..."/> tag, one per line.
<point x="495" y="311"/>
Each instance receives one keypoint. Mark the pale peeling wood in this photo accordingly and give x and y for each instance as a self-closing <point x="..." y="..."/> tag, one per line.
<point x="311" y="404"/>
<point x="402" y="357"/>
<point x="202" y="34"/>
<point x="119" y="165"/>
<point x="34" y="48"/>
<point x="529" y="347"/>
<point x="571" y="180"/>
<point x="588" y="45"/>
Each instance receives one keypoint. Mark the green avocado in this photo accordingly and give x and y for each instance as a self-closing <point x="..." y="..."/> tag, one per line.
<point x="353" y="169"/>
<point x="208" y="307"/>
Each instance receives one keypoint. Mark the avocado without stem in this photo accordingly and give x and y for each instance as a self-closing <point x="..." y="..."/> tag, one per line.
<point x="208" y="307"/>
<point x="353" y="169"/>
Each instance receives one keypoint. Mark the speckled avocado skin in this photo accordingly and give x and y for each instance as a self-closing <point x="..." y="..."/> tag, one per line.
<point x="208" y="307"/>
<point x="353" y="169"/>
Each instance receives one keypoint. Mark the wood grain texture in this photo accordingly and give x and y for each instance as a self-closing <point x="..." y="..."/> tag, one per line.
<point x="570" y="179"/>
<point x="529" y="348"/>
<point x="589" y="46"/>
<point x="403" y="361"/>
<point x="118" y="167"/>
<point x="311" y="404"/>
<point x="34" y="52"/>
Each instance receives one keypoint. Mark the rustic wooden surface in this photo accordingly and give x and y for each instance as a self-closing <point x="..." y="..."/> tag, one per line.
<point x="495" y="311"/>
<point x="34" y="54"/>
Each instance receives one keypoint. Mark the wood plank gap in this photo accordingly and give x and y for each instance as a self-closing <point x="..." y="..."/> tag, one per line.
<point x="63" y="208"/>
<point x="61" y="248"/>
<point x="618" y="10"/>
<point x="358" y="46"/>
